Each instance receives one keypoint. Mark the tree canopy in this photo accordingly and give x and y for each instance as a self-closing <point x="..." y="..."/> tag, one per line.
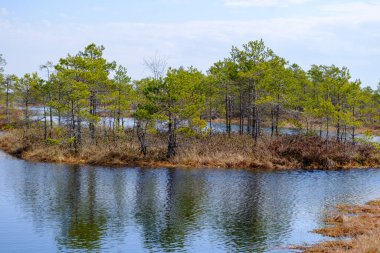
<point x="253" y="90"/>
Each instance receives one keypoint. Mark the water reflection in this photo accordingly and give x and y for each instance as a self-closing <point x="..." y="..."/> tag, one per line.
<point x="86" y="224"/>
<point x="71" y="208"/>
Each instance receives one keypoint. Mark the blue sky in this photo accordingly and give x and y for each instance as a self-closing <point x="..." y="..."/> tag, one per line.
<point x="193" y="32"/>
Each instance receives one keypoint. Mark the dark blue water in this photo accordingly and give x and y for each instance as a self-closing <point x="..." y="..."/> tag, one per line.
<point x="60" y="208"/>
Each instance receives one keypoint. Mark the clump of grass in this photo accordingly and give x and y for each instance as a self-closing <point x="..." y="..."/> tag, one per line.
<point x="357" y="226"/>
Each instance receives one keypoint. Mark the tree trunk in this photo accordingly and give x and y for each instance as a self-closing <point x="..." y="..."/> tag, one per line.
<point x="250" y="111"/>
<point x="172" y="139"/>
<point x="210" y="116"/>
<point x="277" y="113"/>
<point x="228" y="130"/>
<point x="7" y="102"/>
<point x="141" y="133"/>
<point x="353" y="125"/>
<point x="119" y="109"/>
<point x="327" y="127"/>
<point x="338" y="129"/>
<point x="255" y="114"/>
<point x="45" y="123"/>
<point x="60" y="101"/>
<point x="79" y="133"/>
<point x="92" y="113"/>
<point x="272" y="121"/>
<point x="73" y="128"/>
<point x="27" y="110"/>
<point x="50" y="117"/>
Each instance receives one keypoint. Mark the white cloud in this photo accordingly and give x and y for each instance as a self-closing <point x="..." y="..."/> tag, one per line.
<point x="3" y="12"/>
<point x="358" y="12"/>
<point x="263" y="3"/>
<point x="339" y="35"/>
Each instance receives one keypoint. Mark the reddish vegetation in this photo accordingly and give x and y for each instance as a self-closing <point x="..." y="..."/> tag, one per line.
<point x="14" y="116"/>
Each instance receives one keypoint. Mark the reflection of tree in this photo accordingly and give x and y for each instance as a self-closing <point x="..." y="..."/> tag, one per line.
<point x="251" y="211"/>
<point x="84" y="233"/>
<point x="240" y="219"/>
<point x="67" y="198"/>
<point x="121" y="198"/>
<point x="168" y="218"/>
<point x="86" y="225"/>
<point x="166" y="210"/>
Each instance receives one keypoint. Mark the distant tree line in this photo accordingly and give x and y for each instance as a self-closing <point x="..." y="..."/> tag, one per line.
<point x="253" y="88"/>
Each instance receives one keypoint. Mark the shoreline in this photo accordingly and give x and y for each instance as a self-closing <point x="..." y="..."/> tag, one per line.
<point x="285" y="153"/>
<point x="171" y="165"/>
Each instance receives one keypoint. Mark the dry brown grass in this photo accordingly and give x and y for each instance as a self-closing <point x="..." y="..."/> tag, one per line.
<point x="359" y="226"/>
<point x="287" y="152"/>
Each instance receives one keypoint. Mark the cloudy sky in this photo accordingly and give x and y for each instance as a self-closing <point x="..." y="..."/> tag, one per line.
<point x="193" y="32"/>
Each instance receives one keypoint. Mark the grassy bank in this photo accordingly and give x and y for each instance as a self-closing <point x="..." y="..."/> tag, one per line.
<point x="357" y="229"/>
<point x="286" y="152"/>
